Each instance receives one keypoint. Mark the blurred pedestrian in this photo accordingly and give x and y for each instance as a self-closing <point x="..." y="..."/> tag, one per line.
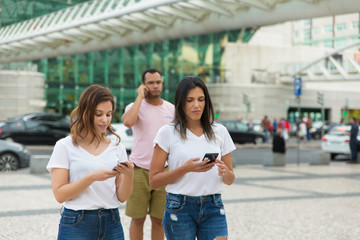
<point x="278" y="142"/>
<point x="282" y="127"/>
<point x="85" y="174"/>
<point x="145" y="116"/>
<point x="265" y="124"/>
<point x="308" y="127"/>
<point x="287" y="127"/>
<point x="274" y="123"/>
<point x="194" y="208"/>
<point x="353" y="140"/>
<point x="302" y="129"/>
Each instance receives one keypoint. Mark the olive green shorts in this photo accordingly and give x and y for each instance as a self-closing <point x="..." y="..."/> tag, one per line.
<point x="144" y="200"/>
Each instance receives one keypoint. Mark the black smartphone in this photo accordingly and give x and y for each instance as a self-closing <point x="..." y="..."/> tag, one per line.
<point x="123" y="163"/>
<point x="210" y="156"/>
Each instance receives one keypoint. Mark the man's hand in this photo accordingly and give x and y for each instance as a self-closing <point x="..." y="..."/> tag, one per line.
<point x="142" y="91"/>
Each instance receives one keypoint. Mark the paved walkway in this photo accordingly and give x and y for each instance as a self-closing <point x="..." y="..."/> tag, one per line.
<point x="285" y="203"/>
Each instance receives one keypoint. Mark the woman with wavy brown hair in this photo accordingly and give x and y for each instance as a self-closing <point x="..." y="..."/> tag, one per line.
<point x="90" y="173"/>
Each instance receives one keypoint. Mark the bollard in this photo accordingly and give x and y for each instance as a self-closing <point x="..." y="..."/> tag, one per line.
<point x="38" y="164"/>
<point x="274" y="160"/>
<point x="322" y="158"/>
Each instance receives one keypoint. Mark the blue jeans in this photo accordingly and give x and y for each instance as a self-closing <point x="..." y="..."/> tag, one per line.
<point x="187" y="217"/>
<point x="90" y="225"/>
<point x="353" y="149"/>
<point x="266" y="132"/>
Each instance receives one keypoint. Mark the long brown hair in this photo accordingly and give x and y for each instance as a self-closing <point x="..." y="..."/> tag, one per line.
<point x="82" y="117"/>
<point x="180" y="120"/>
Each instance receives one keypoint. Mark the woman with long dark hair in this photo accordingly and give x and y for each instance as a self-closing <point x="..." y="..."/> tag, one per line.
<point x="193" y="183"/>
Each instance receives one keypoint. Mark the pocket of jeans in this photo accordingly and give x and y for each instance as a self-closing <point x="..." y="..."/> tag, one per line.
<point x="116" y="217"/>
<point x="218" y="202"/>
<point x="68" y="218"/>
<point x="174" y="204"/>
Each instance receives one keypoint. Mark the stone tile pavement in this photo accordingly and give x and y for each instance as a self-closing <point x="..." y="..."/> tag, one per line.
<point x="293" y="202"/>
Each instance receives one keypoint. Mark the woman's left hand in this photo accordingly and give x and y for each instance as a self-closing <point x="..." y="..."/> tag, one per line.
<point x="223" y="170"/>
<point x="127" y="170"/>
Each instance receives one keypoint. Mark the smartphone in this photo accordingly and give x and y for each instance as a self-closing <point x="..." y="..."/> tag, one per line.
<point x="210" y="156"/>
<point x="123" y="163"/>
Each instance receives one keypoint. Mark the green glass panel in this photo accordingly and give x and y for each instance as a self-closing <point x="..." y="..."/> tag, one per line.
<point x="14" y="11"/>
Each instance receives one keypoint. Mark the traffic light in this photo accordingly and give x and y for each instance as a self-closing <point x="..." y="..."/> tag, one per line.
<point x="320" y="98"/>
<point x="217" y="114"/>
<point x="345" y="111"/>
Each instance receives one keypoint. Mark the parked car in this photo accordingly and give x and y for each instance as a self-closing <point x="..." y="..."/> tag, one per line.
<point x="337" y="142"/>
<point x="317" y="127"/>
<point x="13" y="156"/>
<point x="30" y="133"/>
<point x="52" y="120"/>
<point x="241" y="133"/>
<point x="125" y="134"/>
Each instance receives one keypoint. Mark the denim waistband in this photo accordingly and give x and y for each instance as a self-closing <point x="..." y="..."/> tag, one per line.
<point x="202" y="198"/>
<point x="93" y="212"/>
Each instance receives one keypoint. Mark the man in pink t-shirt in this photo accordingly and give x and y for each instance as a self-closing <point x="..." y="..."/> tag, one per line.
<point x="146" y="116"/>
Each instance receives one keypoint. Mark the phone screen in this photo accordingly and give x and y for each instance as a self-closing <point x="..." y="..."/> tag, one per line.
<point x="210" y="156"/>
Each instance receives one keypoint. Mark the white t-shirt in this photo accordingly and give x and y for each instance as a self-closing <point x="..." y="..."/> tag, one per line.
<point x="100" y="194"/>
<point x="180" y="151"/>
<point x="150" y="119"/>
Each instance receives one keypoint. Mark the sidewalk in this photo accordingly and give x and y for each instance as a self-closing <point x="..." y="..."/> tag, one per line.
<point x="290" y="143"/>
<point x="292" y="202"/>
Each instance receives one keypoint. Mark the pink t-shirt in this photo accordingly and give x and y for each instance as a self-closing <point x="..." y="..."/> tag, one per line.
<point x="150" y="119"/>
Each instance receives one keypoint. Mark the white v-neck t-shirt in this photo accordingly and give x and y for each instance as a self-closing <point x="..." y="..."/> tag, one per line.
<point x="180" y="151"/>
<point x="79" y="162"/>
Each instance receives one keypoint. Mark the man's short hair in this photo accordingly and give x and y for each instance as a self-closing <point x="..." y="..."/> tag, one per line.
<point x="150" y="70"/>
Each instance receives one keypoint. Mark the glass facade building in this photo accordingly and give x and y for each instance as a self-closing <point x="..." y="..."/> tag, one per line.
<point x="120" y="69"/>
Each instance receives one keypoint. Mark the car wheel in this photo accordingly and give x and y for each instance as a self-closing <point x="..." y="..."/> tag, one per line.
<point x="259" y="140"/>
<point x="332" y="156"/>
<point x="9" y="162"/>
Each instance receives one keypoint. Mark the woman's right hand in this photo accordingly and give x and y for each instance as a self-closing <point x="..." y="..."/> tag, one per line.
<point x="195" y="165"/>
<point x="103" y="174"/>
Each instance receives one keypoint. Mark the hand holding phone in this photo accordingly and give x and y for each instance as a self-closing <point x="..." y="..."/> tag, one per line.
<point x="123" y="163"/>
<point x="210" y="156"/>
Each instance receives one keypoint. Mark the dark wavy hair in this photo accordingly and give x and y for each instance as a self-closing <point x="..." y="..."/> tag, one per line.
<point x="82" y="117"/>
<point x="180" y="120"/>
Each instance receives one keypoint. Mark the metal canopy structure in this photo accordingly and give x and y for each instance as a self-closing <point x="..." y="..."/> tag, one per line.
<point x="98" y="25"/>
<point x="334" y="66"/>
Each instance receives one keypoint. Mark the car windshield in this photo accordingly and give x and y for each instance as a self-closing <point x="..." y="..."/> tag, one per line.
<point x="339" y="131"/>
<point x="317" y="124"/>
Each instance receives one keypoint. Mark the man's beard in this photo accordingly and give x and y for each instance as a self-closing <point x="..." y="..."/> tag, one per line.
<point x="152" y="96"/>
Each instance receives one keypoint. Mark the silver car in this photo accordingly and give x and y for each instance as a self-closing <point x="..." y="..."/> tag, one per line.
<point x="13" y="156"/>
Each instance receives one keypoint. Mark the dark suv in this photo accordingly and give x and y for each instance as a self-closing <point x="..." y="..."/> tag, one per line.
<point x="52" y="120"/>
<point x="30" y="132"/>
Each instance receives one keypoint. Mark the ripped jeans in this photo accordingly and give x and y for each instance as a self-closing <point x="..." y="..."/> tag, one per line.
<point x="187" y="217"/>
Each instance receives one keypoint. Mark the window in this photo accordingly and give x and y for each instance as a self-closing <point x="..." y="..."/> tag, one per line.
<point x="307" y="34"/>
<point x="355" y="24"/>
<point x="329" y="28"/>
<point x="340" y="27"/>
<point x="242" y="126"/>
<point x="316" y="30"/>
<point x="328" y="43"/>
<point x="307" y="22"/>
<point x="340" y="43"/>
